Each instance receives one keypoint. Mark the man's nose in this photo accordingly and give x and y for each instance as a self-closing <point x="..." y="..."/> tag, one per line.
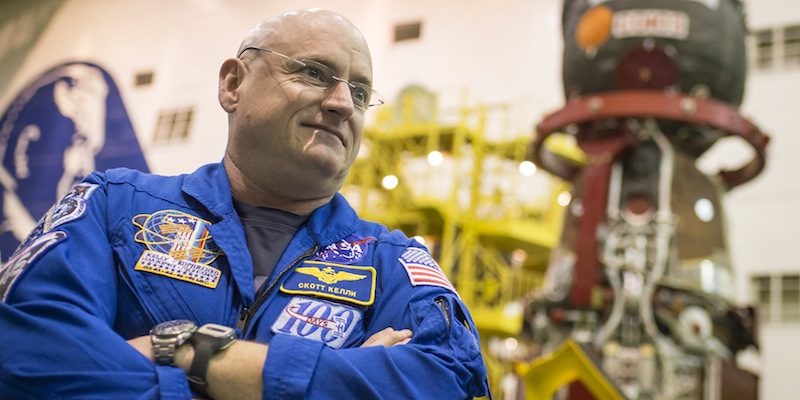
<point x="338" y="99"/>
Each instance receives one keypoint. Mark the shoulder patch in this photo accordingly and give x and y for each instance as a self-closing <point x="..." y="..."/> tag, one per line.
<point x="422" y="269"/>
<point x="25" y="256"/>
<point x="349" y="283"/>
<point x="72" y="206"/>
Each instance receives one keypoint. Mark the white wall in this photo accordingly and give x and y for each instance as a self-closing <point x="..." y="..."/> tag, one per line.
<point x="487" y="50"/>
<point x="763" y="216"/>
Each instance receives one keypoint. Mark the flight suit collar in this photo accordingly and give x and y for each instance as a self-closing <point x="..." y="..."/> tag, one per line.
<point x="209" y="185"/>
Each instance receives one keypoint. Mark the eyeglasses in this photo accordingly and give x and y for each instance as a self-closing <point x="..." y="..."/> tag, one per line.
<point x="321" y="76"/>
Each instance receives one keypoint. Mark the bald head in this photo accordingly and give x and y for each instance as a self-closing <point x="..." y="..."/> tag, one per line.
<point x="285" y="27"/>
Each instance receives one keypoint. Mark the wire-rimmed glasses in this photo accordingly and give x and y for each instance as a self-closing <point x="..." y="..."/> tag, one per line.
<point x="321" y="76"/>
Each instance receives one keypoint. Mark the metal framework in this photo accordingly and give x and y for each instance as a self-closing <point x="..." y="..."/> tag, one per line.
<point x="491" y="242"/>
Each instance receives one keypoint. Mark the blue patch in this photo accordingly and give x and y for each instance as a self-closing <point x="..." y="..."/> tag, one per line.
<point x="72" y="206"/>
<point x="348" y="283"/>
<point x="319" y="320"/>
<point x="25" y="256"/>
<point x="62" y="126"/>
<point x="345" y="251"/>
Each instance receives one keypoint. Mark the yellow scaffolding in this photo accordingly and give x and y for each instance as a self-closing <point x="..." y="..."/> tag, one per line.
<point x="491" y="243"/>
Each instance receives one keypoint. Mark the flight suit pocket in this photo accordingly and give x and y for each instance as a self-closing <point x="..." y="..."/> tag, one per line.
<point x="431" y="321"/>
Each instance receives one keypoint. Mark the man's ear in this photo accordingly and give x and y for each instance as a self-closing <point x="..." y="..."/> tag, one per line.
<point x="230" y="79"/>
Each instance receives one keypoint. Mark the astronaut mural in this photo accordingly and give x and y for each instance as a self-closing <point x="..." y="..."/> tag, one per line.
<point x="66" y="123"/>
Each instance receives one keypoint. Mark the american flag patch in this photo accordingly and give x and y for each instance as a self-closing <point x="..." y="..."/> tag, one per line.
<point x="423" y="270"/>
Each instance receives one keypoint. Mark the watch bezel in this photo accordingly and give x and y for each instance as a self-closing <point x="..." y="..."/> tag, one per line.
<point x="177" y="328"/>
<point x="167" y="336"/>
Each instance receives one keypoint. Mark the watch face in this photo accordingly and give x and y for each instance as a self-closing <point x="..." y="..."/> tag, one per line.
<point x="217" y="331"/>
<point x="174" y="327"/>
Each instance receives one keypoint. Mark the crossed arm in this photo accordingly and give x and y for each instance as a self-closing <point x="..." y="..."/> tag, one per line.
<point x="235" y="373"/>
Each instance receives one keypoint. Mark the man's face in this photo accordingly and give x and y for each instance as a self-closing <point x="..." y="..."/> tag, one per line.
<point x="286" y="132"/>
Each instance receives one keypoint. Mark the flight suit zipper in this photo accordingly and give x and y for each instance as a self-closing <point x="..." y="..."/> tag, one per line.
<point x="247" y="312"/>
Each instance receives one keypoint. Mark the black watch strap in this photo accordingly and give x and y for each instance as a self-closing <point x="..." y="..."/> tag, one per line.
<point x="203" y="350"/>
<point x="207" y="341"/>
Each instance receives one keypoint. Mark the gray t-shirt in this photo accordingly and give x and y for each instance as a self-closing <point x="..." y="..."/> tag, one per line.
<point x="268" y="232"/>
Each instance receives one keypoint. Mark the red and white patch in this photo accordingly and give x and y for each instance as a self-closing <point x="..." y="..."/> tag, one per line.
<point x="423" y="270"/>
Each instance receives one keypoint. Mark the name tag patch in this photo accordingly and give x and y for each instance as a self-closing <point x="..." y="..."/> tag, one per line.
<point x="162" y="264"/>
<point x="320" y="320"/>
<point x="349" y="283"/>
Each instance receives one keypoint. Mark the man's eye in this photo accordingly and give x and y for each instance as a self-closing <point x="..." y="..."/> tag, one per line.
<point x="360" y="95"/>
<point x="315" y="73"/>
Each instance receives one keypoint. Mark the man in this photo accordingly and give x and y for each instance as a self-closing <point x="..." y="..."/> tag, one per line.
<point x="104" y="298"/>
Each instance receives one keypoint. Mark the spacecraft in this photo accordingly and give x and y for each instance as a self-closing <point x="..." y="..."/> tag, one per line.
<point x="642" y="277"/>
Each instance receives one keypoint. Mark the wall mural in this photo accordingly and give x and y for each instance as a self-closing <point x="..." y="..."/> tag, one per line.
<point x="67" y="123"/>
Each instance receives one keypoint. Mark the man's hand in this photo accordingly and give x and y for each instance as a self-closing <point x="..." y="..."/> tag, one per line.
<point x="388" y="337"/>
<point x="236" y="372"/>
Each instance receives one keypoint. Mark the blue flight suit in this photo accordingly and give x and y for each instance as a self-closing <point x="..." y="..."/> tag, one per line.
<point x="125" y="251"/>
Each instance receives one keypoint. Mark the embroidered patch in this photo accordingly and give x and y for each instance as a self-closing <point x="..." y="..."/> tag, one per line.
<point x="348" y="283"/>
<point x="162" y="264"/>
<point x="37" y="231"/>
<point x="423" y="270"/>
<point x="70" y="207"/>
<point x="24" y="256"/>
<point x="346" y="251"/>
<point x="319" y="320"/>
<point x="179" y="246"/>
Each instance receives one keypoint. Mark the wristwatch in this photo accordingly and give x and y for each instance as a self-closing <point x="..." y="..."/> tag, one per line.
<point x="167" y="336"/>
<point x="207" y="340"/>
